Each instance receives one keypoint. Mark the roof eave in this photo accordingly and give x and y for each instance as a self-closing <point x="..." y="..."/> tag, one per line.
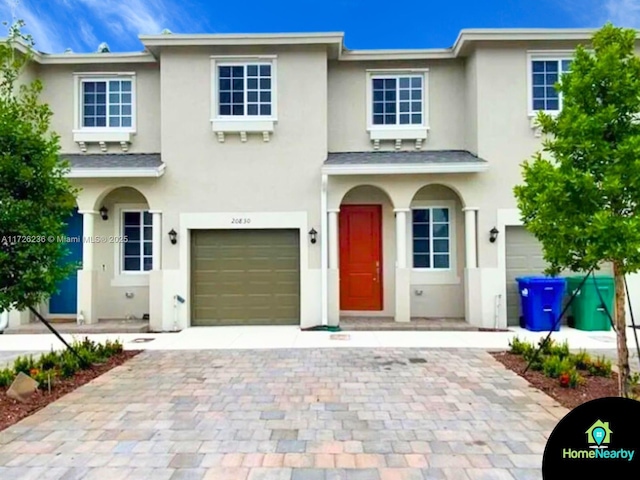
<point x="410" y="168"/>
<point x="95" y="58"/>
<point x="370" y="55"/>
<point x="107" y="172"/>
<point x="183" y="40"/>
<point x="467" y="37"/>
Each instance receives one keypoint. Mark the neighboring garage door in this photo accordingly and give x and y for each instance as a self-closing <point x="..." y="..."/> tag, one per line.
<point x="523" y="258"/>
<point x="245" y="277"/>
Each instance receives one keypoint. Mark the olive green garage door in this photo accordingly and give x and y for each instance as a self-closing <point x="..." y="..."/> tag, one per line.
<point x="245" y="277"/>
<point x="524" y="258"/>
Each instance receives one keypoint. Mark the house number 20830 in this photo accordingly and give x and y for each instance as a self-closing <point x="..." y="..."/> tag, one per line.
<point x="240" y="221"/>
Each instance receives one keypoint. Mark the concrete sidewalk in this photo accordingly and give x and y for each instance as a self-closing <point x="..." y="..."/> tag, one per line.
<point x="287" y="337"/>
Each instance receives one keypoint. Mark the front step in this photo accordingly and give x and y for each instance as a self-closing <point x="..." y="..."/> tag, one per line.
<point x="103" y="326"/>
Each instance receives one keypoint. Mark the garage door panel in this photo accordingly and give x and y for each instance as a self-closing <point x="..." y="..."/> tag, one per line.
<point x="249" y="277"/>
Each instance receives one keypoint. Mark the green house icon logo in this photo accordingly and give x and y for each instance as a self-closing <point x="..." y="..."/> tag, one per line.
<point x="599" y="435"/>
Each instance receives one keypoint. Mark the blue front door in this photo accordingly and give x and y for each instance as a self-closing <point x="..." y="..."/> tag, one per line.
<point x="66" y="300"/>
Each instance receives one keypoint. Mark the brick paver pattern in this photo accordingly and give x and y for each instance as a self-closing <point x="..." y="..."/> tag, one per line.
<point x="316" y="414"/>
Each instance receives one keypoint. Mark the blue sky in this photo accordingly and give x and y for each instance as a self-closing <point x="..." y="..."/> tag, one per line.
<point x="83" y="24"/>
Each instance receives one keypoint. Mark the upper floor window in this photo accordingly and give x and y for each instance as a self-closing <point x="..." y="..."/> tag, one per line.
<point x="245" y="90"/>
<point x="107" y="103"/>
<point x="545" y="73"/>
<point x="397" y="99"/>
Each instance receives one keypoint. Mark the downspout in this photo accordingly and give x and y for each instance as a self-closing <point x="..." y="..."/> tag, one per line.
<point x="324" y="253"/>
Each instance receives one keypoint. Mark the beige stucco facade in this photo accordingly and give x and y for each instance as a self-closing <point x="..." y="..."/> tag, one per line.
<point x="476" y="100"/>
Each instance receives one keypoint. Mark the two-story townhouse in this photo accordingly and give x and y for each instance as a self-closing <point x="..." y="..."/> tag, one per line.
<point x="284" y="179"/>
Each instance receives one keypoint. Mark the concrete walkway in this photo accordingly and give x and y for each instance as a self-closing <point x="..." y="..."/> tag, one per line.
<point x="290" y="414"/>
<point x="240" y="338"/>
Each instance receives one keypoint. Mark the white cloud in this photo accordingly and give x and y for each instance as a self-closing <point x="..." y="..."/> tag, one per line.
<point x="623" y="13"/>
<point x="37" y="24"/>
<point x="595" y="13"/>
<point x="83" y="24"/>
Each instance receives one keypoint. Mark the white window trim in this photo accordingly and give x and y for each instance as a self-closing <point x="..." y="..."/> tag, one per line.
<point x="245" y="123"/>
<point x="397" y="132"/>
<point x="533" y="55"/>
<point x="79" y="78"/>
<point x="435" y="276"/>
<point x="123" y="278"/>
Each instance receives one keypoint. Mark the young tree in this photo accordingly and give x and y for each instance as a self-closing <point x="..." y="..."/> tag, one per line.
<point x="583" y="202"/>
<point x="35" y="197"/>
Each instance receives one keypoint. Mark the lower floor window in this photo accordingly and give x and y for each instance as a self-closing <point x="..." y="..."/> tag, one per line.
<point x="431" y="238"/>
<point x="137" y="249"/>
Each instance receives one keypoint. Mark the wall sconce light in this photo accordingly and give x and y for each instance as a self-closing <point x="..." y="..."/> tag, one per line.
<point x="313" y="236"/>
<point x="104" y="211"/>
<point x="173" y="236"/>
<point x="493" y="234"/>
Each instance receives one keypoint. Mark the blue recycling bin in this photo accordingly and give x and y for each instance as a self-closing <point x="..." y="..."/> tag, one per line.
<point x="541" y="301"/>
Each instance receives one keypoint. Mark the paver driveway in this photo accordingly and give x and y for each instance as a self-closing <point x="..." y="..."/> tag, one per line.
<point x="290" y="414"/>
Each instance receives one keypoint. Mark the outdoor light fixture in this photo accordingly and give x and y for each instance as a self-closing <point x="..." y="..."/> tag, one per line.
<point x="173" y="236"/>
<point x="104" y="213"/>
<point x="313" y="235"/>
<point x="493" y="234"/>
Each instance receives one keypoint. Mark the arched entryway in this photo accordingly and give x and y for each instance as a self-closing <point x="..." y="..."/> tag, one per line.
<point x="123" y="265"/>
<point x="436" y="253"/>
<point x="366" y="252"/>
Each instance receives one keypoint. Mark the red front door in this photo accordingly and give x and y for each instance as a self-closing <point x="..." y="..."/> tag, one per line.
<point x="360" y="257"/>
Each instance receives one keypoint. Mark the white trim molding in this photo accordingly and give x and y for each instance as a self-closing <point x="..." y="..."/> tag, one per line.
<point x="107" y="172"/>
<point x="398" y="132"/>
<point x="244" y="124"/>
<point x="103" y="136"/>
<point x="407" y="169"/>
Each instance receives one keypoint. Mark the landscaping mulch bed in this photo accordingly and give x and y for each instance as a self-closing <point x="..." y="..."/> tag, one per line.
<point x="594" y="387"/>
<point x="12" y="411"/>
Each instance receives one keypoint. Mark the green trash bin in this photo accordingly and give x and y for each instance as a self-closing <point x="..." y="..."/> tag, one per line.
<point x="587" y="311"/>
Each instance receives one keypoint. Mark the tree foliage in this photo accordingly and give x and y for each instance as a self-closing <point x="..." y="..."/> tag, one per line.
<point x="582" y="192"/>
<point x="35" y="197"/>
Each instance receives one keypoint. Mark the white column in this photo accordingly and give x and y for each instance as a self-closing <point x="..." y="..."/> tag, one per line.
<point x="88" y="232"/>
<point x="401" y="237"/>
<point x="156" y="248"/>
<point x="333" y="239"/>
<point x="403" y="274"/>
<point x="471" y="236"/>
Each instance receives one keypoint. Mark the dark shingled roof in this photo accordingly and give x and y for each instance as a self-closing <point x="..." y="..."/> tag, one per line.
<point x="114" y="160"/>
<point x="400" y="158"/>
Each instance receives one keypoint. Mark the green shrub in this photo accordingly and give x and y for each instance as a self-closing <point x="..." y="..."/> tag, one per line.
<point x="518" y="347"/>
<point x="6" y="377"/>
<point x="581" y="360"/>
<point x="48" y="361"/>
<point x="24" y="364"/>
<point x="44" y="377"/>
<point x="69" y="365"/>
<point x="560" y="350"/>
<point x="600" y="367"/>
<point x="553" y="366"/>
<point x="634" y="379"/>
